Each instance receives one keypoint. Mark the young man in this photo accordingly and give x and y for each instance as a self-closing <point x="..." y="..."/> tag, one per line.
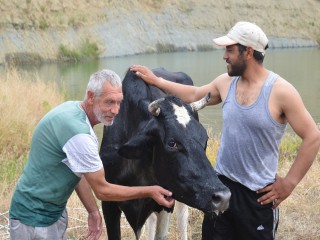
<point x="64" y="156"/>
<point x="257" y="105"/>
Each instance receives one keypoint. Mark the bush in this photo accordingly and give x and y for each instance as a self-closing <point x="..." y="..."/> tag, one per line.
<point x="87" y="51"/>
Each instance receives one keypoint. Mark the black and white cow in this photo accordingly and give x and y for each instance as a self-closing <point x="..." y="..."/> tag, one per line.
<point x="156" y="139"/>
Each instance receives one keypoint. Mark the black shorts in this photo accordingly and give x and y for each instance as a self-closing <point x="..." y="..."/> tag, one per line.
<point x="246" y="219"/>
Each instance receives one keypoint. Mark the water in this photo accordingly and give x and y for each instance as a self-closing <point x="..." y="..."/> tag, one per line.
<point x="301" y="67"/>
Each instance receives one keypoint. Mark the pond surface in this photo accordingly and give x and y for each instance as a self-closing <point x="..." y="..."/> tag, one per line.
<point x="301" y="67"/>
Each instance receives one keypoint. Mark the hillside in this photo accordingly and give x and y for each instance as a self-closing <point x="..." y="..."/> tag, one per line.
<point x="39" y="28"/>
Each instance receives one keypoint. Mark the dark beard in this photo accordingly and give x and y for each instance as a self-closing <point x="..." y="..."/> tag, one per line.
<point x="238" y="68"/>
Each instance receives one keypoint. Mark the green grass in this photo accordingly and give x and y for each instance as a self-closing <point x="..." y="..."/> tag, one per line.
<point x="165" y="48"/>
<point x="10" y="169"/>
<point x="289" y="147"/>
<point x="86" y="51"/>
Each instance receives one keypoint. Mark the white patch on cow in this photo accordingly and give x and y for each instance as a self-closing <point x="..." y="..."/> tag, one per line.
<point x="182" y="114"/>
<point x="158" y="223"/>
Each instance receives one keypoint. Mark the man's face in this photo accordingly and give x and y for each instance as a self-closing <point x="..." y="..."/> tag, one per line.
<point x="236" y="64"/>
<point x="107" y="105"/>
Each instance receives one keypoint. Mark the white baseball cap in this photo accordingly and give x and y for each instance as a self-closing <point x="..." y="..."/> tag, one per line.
<point x="247" y="34"/>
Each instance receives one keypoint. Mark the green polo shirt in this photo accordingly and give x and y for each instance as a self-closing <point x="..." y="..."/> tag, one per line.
<point x="46" y="183"/>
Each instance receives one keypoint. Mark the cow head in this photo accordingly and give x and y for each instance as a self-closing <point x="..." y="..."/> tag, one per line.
<point x="178" y="157"/>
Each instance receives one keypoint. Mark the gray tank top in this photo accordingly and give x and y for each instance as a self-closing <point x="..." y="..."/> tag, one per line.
<point x="249" y="147"/>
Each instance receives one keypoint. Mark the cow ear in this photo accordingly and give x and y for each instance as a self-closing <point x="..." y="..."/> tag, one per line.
<point x="141" y="143"/>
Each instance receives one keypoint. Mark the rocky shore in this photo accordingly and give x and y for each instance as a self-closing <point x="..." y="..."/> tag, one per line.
<point x="168" y="27"/>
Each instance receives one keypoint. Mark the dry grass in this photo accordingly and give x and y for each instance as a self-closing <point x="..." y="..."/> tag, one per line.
<point x="296" y="19"/>
<point x="299" y="215"/>
<point x="27" y="14"/>
<point x="24" y="101"/>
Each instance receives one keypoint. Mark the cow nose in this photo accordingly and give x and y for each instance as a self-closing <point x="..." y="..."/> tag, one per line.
<point x="221" y="199"/>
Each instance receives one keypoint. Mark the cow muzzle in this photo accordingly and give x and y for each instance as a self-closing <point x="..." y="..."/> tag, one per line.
<point x="220" y="201"/>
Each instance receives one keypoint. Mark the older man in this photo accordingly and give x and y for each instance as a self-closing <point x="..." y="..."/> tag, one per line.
<point x="64" y="157"/>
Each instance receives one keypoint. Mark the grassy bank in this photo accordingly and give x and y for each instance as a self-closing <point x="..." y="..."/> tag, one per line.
<point x="35" y="31"/>
<point x="24" y="101"/>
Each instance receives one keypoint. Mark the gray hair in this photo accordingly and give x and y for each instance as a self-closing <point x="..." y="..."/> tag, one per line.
<point x="97" y="80"/>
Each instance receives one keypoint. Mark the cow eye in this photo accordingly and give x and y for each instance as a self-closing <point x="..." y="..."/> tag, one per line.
<point x="172" y="144"/>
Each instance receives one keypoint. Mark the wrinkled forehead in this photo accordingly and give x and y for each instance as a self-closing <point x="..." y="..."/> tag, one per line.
<point x="109" y="91"/>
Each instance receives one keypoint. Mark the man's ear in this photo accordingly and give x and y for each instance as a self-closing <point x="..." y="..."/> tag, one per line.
<point x="250" y="51"/>
<point x="90" y="97"/>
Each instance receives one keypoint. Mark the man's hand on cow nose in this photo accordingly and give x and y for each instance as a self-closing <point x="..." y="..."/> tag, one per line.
<point x="170" y="201"/>
<point x="162" y="197"/>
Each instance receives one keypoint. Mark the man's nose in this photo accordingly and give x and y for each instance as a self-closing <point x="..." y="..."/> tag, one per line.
<point x="115" y="109"/>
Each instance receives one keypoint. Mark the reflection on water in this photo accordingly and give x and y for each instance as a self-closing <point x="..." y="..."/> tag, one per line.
<point x="301" y="67"/>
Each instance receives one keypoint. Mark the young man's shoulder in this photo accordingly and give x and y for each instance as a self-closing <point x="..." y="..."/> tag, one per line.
<point x="283" y="87"/>
<point x="222" y="79"/>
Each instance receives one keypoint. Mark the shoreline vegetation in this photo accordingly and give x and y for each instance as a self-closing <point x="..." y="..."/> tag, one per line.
<point x="21" y="111"/>
<point x="36" y="31"/>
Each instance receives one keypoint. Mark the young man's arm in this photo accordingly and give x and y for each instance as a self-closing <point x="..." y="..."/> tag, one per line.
<point x="304" y="126"/>
<point x="186" y="93"/>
